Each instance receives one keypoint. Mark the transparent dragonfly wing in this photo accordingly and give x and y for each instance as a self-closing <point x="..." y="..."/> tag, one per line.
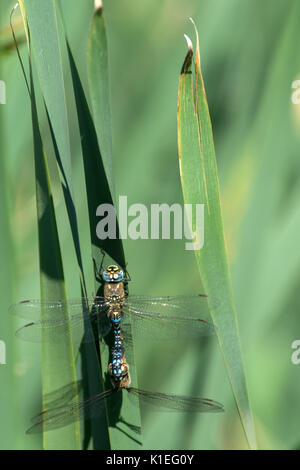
<point x="62" y="395"/>
<point x="169" y="317"/>
<point x="179" y="403"/>
<point x="53" y="321"/>
<point x="32" y="309"/>
<point x="60" y="416"/>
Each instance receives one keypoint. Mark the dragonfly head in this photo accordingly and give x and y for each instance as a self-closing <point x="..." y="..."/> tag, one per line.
<point x="113" y="274"/>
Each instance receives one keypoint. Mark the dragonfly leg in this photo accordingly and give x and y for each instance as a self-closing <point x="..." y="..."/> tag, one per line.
<point x="96" y="272"/>
<point x="102" y="261"/>
<point x="127" y="278"/>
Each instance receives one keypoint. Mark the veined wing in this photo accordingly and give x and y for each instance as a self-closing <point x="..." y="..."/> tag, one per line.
<point x="32" y="309"/>
<point x="169" y="402"/>
<point x="60" y="416"/>
<point x="169" y="317"/>
<point x="53" y="321"/>
<point x="61" y="396"/>
<point x="174" y="316"/>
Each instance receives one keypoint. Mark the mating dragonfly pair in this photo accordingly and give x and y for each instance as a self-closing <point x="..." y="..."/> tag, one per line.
<point x="120" y="313"/>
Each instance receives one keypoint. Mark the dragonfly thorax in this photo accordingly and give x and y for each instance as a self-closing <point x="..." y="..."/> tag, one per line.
<point x="114" y="292"/>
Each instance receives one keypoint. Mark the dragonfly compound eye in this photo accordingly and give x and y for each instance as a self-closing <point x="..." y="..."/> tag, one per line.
<point x="113" y="274"/>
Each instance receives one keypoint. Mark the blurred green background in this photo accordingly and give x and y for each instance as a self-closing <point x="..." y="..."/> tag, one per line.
<point x="250" y="58"/>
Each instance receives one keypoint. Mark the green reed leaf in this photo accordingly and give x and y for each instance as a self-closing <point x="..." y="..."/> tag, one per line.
<point x="58" y="362"/>
<point x="98" y="161"/>
<point x="200" y="185"/>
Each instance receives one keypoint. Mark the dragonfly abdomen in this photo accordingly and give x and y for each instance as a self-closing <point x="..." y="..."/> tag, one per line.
<point x="118" y="368"/>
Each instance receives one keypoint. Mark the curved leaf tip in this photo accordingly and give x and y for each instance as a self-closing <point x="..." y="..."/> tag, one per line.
<point x="186" y="67"/>
<point x="189" y="42"/>
<point x="98" y="5"/>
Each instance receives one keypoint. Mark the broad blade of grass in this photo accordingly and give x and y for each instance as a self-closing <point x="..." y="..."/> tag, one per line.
<point x="42" y="22"/>
<point x="91" y="370"/>
<point x="98" y="75"/>
<point x="200" y="186"/>
<point x="52" y="287"/>
<point x="97" y="187"/>
<point x="58" y="364"/>
<point x="45" y="37"/>
<point x="97" y="154"/>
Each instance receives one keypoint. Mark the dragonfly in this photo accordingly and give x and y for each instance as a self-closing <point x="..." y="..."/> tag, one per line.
<point x="169" y="317"/>
<point x="109" y="311"/>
